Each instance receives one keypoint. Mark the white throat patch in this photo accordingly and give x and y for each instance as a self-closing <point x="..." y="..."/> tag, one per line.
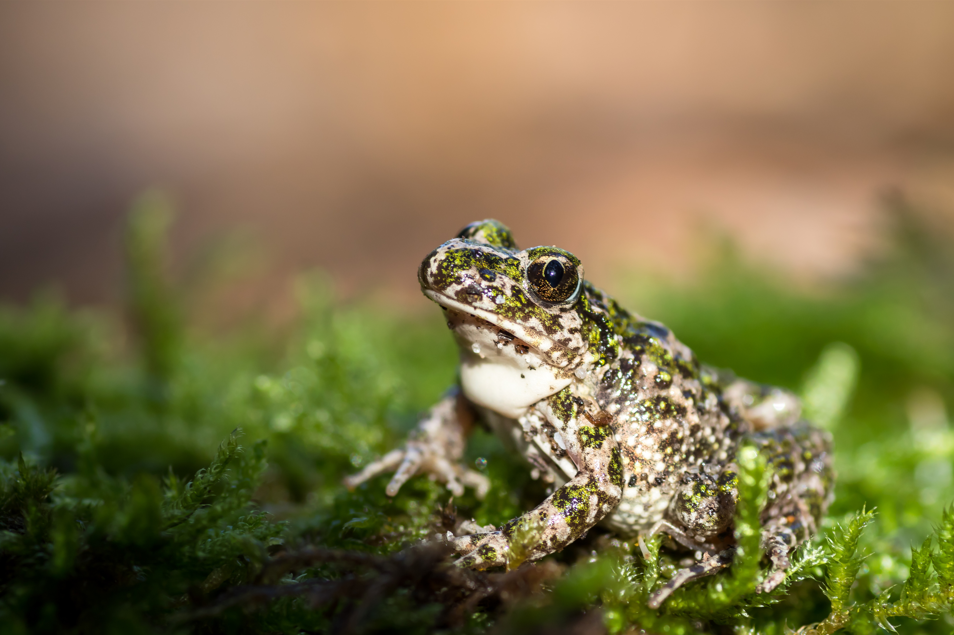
<point x="501" y="373"/>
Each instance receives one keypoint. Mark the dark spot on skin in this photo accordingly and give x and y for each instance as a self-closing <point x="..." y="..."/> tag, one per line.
<point x="688" y="367"/>
<point x="728" y="481"/>
<point x="573" y="501"/>
<point x="599" y="333"/>
<point x="551" y="432"/>
<point x="663" y="379"/>
<point x="505" y="335"/>
<point x="658" y="481"/>
<point x="656" y="330"/>
<point x="629" y="364"/>
<point x="487" y="553"/>
<point x="659" y="407"/>
<point x="671" y="441"/>
<point x="564" y="406"/>
<point x="632" y="481"/>
<point x="615" y="469"/>
<point x="622" y="379"/>
<point x="487" y="275"/>
<point x="469" y="294"/>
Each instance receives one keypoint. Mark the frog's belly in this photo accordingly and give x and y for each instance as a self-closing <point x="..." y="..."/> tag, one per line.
<point x="639" y="509"/>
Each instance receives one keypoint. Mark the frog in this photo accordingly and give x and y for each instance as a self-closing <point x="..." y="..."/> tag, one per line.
<point x="628" y="429"/>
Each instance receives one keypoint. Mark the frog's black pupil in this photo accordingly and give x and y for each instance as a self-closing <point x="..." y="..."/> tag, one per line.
<point x="553" y="273"/>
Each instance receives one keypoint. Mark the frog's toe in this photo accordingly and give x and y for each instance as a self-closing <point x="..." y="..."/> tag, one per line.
<point x="454" y="476"/>
<point x="413" y="457"/>
<point x="385" y="464"/>
<point x="706" y="567"/>
<point x="477" y="481"/>
<point x="774" y="579"/>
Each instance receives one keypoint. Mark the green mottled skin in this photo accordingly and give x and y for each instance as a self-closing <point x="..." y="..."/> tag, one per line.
<point x="564" y="405"/>
<point x="591" y="437"/>
<point x="610" y="407"/>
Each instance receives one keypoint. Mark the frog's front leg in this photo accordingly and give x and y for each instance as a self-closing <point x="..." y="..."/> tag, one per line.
<point x="436" y="446"/>
<point x="571" y="510"/>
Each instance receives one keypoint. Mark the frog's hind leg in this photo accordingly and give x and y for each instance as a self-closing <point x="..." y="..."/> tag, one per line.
<point x="800" y="459"/>
<point x="781" y="534"/>
<point x="709" y="566"/>
<point x="777" y="546"/>
<point x="764" y="407"/>
<point x="800" y="492"/>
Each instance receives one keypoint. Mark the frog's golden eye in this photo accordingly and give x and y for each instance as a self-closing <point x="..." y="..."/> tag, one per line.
<point x="554" y="279"/>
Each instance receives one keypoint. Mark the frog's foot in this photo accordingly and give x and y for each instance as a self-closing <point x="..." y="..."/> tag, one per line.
<point x="421" y="456"/>
<point x="709" y="566"/>
<point x="435" y="448"/>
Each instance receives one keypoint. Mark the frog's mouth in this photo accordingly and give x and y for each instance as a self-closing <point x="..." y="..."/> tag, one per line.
<point x="523" y="339"/>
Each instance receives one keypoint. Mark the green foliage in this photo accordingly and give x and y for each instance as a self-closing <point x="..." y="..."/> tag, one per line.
<point x="923" y="595"/>
<point x="830" y="384"/>
<point x="844" y="563"/>
<point x="92" y="551"/>
<point x="152" y="305"/>
<point x="172" y="480"/>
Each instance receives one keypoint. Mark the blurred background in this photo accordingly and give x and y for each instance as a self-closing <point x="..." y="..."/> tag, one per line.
<point x="772" y="180"/>
<point x="356" y="137"/>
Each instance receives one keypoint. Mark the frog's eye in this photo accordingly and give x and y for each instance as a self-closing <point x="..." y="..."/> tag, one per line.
<point x="554" y="279"/>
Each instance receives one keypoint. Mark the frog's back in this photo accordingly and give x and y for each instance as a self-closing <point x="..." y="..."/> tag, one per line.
<point x="669" y="413"/>
<point x="674" y="416"/>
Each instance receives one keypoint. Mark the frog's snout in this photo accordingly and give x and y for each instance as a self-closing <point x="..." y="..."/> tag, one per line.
<point x="422" y="270"/>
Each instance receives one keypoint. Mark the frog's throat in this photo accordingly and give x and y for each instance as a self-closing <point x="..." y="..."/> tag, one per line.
<point x="546" y="347"/>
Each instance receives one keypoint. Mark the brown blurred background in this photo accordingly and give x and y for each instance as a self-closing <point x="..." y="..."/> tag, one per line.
<point x="358" y="136"/>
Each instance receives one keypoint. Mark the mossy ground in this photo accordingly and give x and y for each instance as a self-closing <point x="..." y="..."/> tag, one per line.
<point x="158" y="478"/>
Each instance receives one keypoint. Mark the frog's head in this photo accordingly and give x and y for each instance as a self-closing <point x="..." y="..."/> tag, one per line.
<point x="521" y="303"/>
